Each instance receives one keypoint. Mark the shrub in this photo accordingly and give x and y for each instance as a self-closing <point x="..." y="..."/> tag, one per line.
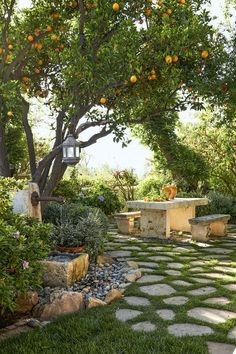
<point x="70" y="190"/>
<point x="219" y="204"/>
<point x="23" y="242"/>
<point x="151" y="186"/>
<point x="71" y="213"/>
<point x="103" y="197"/>
<point x="88" y="229"/>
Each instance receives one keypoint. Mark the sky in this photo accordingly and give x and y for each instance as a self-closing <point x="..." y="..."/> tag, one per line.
<point x="105" y="151"/>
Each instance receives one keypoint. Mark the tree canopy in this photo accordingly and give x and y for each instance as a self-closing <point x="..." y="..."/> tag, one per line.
<point x="107" y="65"/>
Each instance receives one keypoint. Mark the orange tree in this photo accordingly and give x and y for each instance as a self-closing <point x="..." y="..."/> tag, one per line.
<point x="104" y="64"/>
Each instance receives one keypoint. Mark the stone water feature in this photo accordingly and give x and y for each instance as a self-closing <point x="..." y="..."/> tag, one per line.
<point x="64" y="269"/>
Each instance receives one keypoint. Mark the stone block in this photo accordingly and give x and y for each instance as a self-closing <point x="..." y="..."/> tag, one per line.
<point x="65" y="269"/>
<point x="63" y="302"/>
<point x="94" y="302"/>
<point x="22" y="202"/>
<point x="26" y="302"/>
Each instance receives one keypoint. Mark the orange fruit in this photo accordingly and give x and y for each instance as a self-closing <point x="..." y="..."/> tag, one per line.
<point x="147" y="12"/>
<point x="54" y="37"/>
<point x="49" y="29"/>
<point x="103" y="100"/>
<point x="37" y="32"/>
<point x="62" y="46"/>
<point x="175" y="58"/>
<point x="73" y="4"/>
<point x="182" y="2"/>
<point x="56" y="15"/>
<point x="10" y="46"/>
<point x="165" y="14"/>
<point x="169" y="11"/>
<point x="10" y="114"/>
<point x="1" y="51"/>
<point x="133" y="79"/>
<point x="39" y="46"/>
<point x="40" y="62"/>
<point x="116" y="7"/>
<point x="38" y="93"/>
<point x="168" y="59"/>
<point x="8" y="59"/>
<point x="25" y="79"/>
<point x="30" y="38"/>
<point x="205" y="54"/>
<point x="37" y="71"/>
<point x="159" y="3"/>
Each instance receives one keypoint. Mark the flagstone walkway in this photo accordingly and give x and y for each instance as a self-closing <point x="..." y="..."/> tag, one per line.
<point x="188" y="288"/>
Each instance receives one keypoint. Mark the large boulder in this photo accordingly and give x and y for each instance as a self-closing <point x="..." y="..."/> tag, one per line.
<point x="26" y="302"/>
<point x="61" y="302"/>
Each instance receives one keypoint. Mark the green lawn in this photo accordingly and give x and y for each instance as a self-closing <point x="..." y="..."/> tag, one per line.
<point x="97" y="331"/>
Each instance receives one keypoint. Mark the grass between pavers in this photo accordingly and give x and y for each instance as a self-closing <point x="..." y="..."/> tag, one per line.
<point x="98" y="331"/>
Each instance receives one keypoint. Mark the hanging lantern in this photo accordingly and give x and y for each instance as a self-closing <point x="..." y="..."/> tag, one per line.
<point x="71" y="150"/>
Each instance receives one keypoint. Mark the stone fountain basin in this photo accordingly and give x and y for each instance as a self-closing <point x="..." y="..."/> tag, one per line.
<point x="64" y="269"/>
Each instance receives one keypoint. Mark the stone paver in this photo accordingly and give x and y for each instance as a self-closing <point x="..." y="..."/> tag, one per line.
<point x="144" y="327"/>
<point x="218" y="276"/>
<point x="182" y="283"/>
<point x="218" y="250"/>
<point x="217" y="301"/>
<point x="148" y="264"/>
<point x="225" y="269"/>
<point x="143" y="253"/>
<point x="131" y="248"/>
<point x="220" y="348"/>
<point x="202" y="280"/>
<point x="185" y="249"/>
<point x="211" y="315"/>
<point x="189" y="329"/>
<point x="117" y="254"/>
<point x="215" y="256"/>
<point x="124" y="315"/>
<point x="232" y="333"/>
<point x="146" y="270"/>
<point x="158" y="290"/>
<point x="175" y="265"/>
<point x="155" y="248"/>
<point x="137" y="301"/>
<point x="196" y="269"/>
<point x="176" y="300"/>
<point x="160" y="258"/>
<point x="173" y="272"/>
<point x="165" y="314"/>
<point x="150" y="278"/>
<point x="231" y="287"/>
<point x="199" y="263"/>
<point x="202" y="291"/>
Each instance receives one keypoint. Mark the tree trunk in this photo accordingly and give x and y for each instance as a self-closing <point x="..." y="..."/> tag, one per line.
<point x="4" y="163"/>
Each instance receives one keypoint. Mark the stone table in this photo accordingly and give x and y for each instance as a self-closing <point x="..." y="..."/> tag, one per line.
<point x="158" y="218"/>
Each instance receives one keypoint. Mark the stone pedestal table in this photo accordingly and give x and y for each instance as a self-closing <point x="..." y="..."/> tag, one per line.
<point x="158" y="218"/>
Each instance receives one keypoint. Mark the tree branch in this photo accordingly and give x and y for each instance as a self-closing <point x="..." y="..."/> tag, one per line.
<point x="95" y="137"/>
<point x="29" y="136"/>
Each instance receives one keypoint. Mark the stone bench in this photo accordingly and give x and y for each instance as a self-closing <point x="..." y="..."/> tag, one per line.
<point x="204" y="226"/>
<point x="125" y="221"/>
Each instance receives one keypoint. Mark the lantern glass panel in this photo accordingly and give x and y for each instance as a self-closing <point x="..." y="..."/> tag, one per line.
<point x="64" y="152"/>
<point x="77" y="151"/>
<point x="70" y="151"/>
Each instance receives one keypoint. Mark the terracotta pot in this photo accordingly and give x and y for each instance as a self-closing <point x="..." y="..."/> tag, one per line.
<point x="170" y="191"/>
<point x="77" y="249"/>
